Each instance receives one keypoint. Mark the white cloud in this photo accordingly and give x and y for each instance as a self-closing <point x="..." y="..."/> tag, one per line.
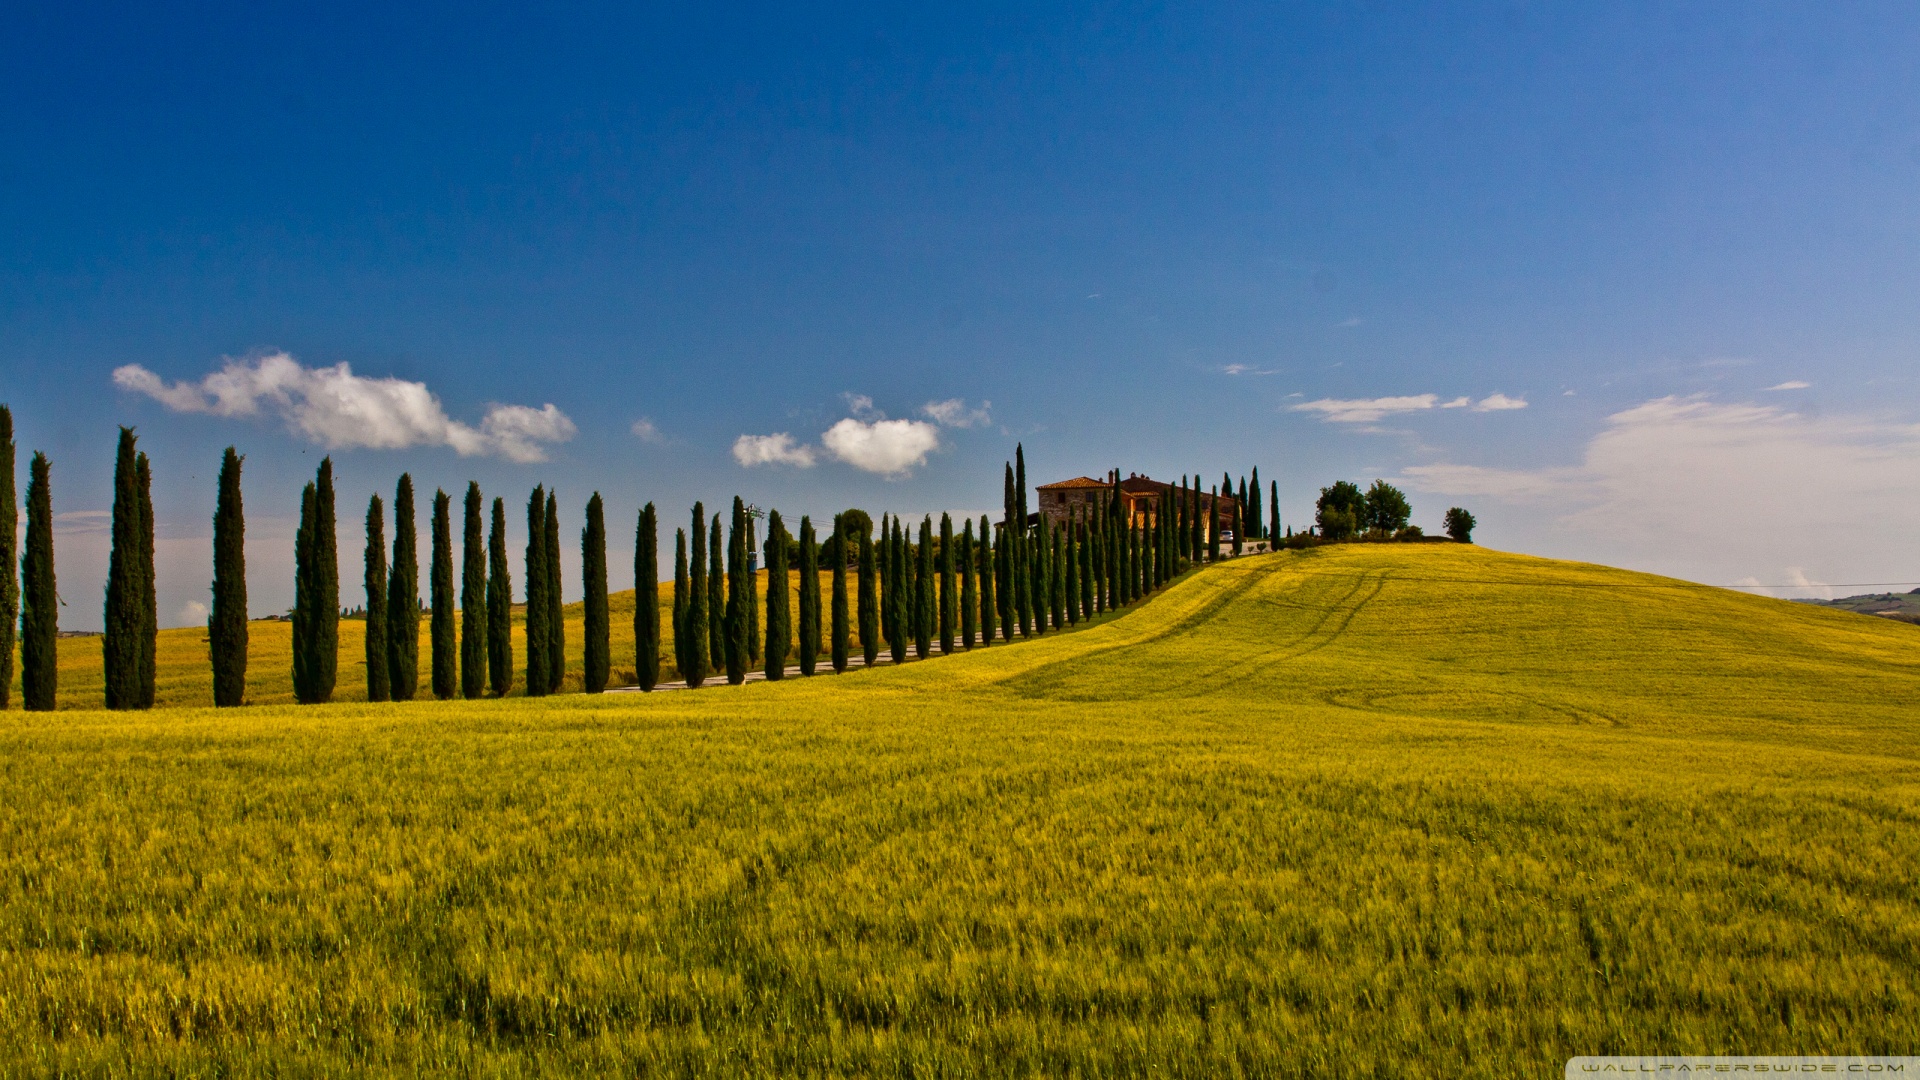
<point x="1247" y="369"/>
<point x="888" y="447"/>
<point x="645" y="430"/>
<point x="340" y="410"/>
<point x="1791" y="384"/>
<point x="860" y="405"/>
<point x="192" y="613"/>
<point x="1366" y="410"/>
<point x="776" y="449"/>
<point x="954" y="413"/>
<point x="1719" y="492"/>
<point x="1499" y="403"/>
<point x="1457" y="403"/>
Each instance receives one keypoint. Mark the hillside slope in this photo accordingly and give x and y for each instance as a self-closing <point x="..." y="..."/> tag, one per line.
<point x="1369" y="810"/>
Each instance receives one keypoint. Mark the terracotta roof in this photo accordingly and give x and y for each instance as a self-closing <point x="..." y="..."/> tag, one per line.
<point x="1076" y="482"/>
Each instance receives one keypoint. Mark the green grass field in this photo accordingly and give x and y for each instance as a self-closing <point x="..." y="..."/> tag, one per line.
<point x="1368" y="810"/>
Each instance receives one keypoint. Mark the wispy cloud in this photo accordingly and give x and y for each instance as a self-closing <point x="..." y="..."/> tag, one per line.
<point x="954" y="413"/>
<point x="1364" y="410"/>
<point x="1247" y="369"/>
<point x="1499" y="403"/>
<point x="1790" y="384"/>
<point x="647" y="431"/>
<point x="337" y="409"/>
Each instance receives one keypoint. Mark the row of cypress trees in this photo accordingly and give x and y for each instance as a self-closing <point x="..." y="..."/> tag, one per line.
<point x="1023" y="576"/>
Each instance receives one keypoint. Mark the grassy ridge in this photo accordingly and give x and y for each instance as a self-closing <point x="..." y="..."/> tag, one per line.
<point x="1356" y="810"/>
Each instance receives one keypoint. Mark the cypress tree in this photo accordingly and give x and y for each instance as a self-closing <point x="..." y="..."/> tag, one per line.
<point x="1196" y="543"/>
<point x="716" y="597"/>
<point x="986" y="566"/>
<point x="897" y="593"/>
<point x="1239" y="516"/>
<point x="326" y="607"/>
<point x="149" y="640"/>
<point x="556" y="608"/>
<point x="1142" y="583"/>
<point x="1254" y="517"/>
<point x="374" y="578"/>
<point x="499" y="604"/>
<point x="646" y="598"/>
<point x="869" y="601"/>
<point x="303" y="586"/>
<point x="779" y="609"/>
<point x="750" y="593"/>
<point x="1084" y="542"/>
<point x="738" y="587"/>
<point x="1037" y="574"/>
<point x="682" y="598"/>
<point x="924" y="601"/>
<point x="1021" y="564"/>
<point x="442" y="629"/>
<point x="1070" y="574"/>
<point x="403" y="598"/>
<point x="699" y="592"/>
<point x="474" y="616"/>
<point x="124" y="620"/>
<point x="1273" y="512"/>
<point x="39" y="595"/>
<point x="227" y="622"/>
<point x="1003" y="564"/>
<point x="947" y="599"/>
<point x="597" y="665"/>
<point x="9" y="558"/>
<point x="838" y="629"/>
<point x="1060" y="569"/>
<point x="1213" y="527"/>
<point x="536" y="560"/>
<point x="809" y="597"/>
<point x="883" y="556"/>
<point x="969" y="587"/>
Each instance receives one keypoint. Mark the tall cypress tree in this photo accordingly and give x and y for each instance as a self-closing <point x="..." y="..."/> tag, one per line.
<point x="779" y="609"/>
<point x="303" y="587"/>
<point x="326" y="600"/>
<point x="149" y="640"/>
<point x="947" y="599"/>
<point x="682" y="594"/>
<point x="1254" y="517"/>
<point x="716" y="597"/>
<point x="555" y="598"/>
<point x="646" y="598"/>
<point x="739" y="588"/>
<point x="969" y="587"/>
<point x="1057" y="571"/>
<point x="924" y="602"/>
<point x="809" y="636"/>
<point x="227" y="622"/>
<point x="374" y="578"/>
<point x="499" y="604"/>
<point x="695" y="668"/>
<point x="1037" y="574"/>
<point x="537" y="636"/>
<point x="1213" y="526"/>
<point x="749" y="598"/>
<point x="985" y="564"/>
<point x="1021" y="546"/>
<point x="441" y="627"/>
<point x="475" y="618"/>
<point x="897" y="592"/>
<point x="124" y="619"/>
<point x="1070" y="574"/>
<point x="1084" y="541"/>
<point x="9" y="557"/>
<point x="1273" y="512"/>
<point x="403" y="597"/>
<point x="869" y="601"/>
<point x="1197" y="525"/>
<point x="597" y="649"/>
<point x="837" y="629"/>
<point x="883" y="555"/>
<point x="39" y="595"/>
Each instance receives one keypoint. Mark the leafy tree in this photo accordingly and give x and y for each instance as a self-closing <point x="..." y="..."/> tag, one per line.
<point x="9" y="557"/>
<point x="403" y="598"/>
<point x="809" y="635"/>
<point x="39" y="595"/>
<point x="125" y="584"/>
<point x="837" y="628"/>
<point x="869" y="598"/>
<point x="698" y="649"/>
<point x="441" y="628"/>
<point x="598" y="647"/>
<point x="646" y="598"/>
<point x="779" y="613"/>
<point x="1386" y="508"/>
<point x="474" y="616"/>
<point x="556" y="617"/>
<point x="499" y="604"/>
<point x="538" y="669"/>
<point x="374" y="578"/>
<point x="1340" y="511"/>
<point x="227" y="622"/>
<point x="1459" y="525"/>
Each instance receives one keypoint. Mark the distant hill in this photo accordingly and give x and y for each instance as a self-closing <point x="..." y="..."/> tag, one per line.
<point x="1900" y="607"/>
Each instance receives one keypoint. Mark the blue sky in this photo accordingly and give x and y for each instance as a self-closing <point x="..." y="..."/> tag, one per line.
<point x="1163" y="239"/>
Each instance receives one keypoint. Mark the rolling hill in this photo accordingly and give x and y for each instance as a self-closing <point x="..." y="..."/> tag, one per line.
<point x="1357" y="810"/>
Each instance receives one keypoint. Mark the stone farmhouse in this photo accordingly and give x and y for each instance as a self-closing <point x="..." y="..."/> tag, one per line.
<point x="1082" y="497"/>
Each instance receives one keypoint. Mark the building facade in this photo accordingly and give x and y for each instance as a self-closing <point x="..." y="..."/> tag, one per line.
<point x="1083" y="497"/>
